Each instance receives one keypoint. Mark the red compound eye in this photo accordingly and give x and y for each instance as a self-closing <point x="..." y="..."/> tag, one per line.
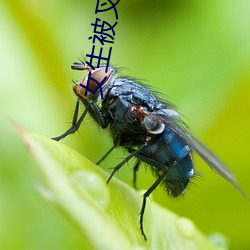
<point x="97" y="77"/>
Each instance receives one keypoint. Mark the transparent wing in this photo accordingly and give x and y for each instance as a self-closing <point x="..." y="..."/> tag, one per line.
<point x="175" y="124"/>
<point x="208" y="156"/>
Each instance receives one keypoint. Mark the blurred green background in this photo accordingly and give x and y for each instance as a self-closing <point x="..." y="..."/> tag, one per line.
<point x="196" y="52"/>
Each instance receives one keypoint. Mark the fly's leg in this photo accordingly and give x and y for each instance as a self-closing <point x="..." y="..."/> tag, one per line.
<point x="136" y="167"/>
<point x="145" y="196"/>
<point x="105" y="155"/>
<point x="93" y="109"/>
<point x="125" y="160"/>
<point x="75" y="124"/>
<point x="97" y="114"/>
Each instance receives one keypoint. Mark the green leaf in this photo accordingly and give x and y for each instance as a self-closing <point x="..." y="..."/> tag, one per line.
<point x="107" y="215"/>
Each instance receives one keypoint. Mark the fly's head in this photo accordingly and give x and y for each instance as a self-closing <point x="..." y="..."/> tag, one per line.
<point x="93" y="85"/>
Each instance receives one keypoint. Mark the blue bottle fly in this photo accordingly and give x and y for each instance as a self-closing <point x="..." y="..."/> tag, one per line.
<point x="149" y="128"/>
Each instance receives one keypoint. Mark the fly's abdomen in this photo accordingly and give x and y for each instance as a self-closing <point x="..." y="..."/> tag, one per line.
<point x="168" y="154"/>
<point x="178" y="176"/>
<point x="180" y="166"/>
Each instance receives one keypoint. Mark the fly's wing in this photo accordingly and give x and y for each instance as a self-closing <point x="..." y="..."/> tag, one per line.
<point x="212" y="160"/>
<point x="175" y="124"/>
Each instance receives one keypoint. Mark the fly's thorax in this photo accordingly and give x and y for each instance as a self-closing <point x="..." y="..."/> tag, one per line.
<point x="96" y="82"/>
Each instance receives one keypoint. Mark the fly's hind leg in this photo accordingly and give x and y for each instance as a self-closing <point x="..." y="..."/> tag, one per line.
<point x="135" y="169"/>
<point x="145" y="196"/>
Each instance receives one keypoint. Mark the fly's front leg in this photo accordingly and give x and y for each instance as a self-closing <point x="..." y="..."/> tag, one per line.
<point x="97" y="114"/>
<point x="93" y="109"/>
<point x="75" y="124"/>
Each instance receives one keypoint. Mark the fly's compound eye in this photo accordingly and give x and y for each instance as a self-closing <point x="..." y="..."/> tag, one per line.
<point x="93" y="81"/>
<point x="152" y="125"/>
<point x="97" y="78"/>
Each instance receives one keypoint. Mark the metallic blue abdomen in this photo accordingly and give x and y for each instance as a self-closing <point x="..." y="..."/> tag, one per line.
<point x="168" y="153"/>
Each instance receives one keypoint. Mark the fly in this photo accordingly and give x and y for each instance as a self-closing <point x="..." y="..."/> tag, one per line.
<point x="149" y="128"/>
